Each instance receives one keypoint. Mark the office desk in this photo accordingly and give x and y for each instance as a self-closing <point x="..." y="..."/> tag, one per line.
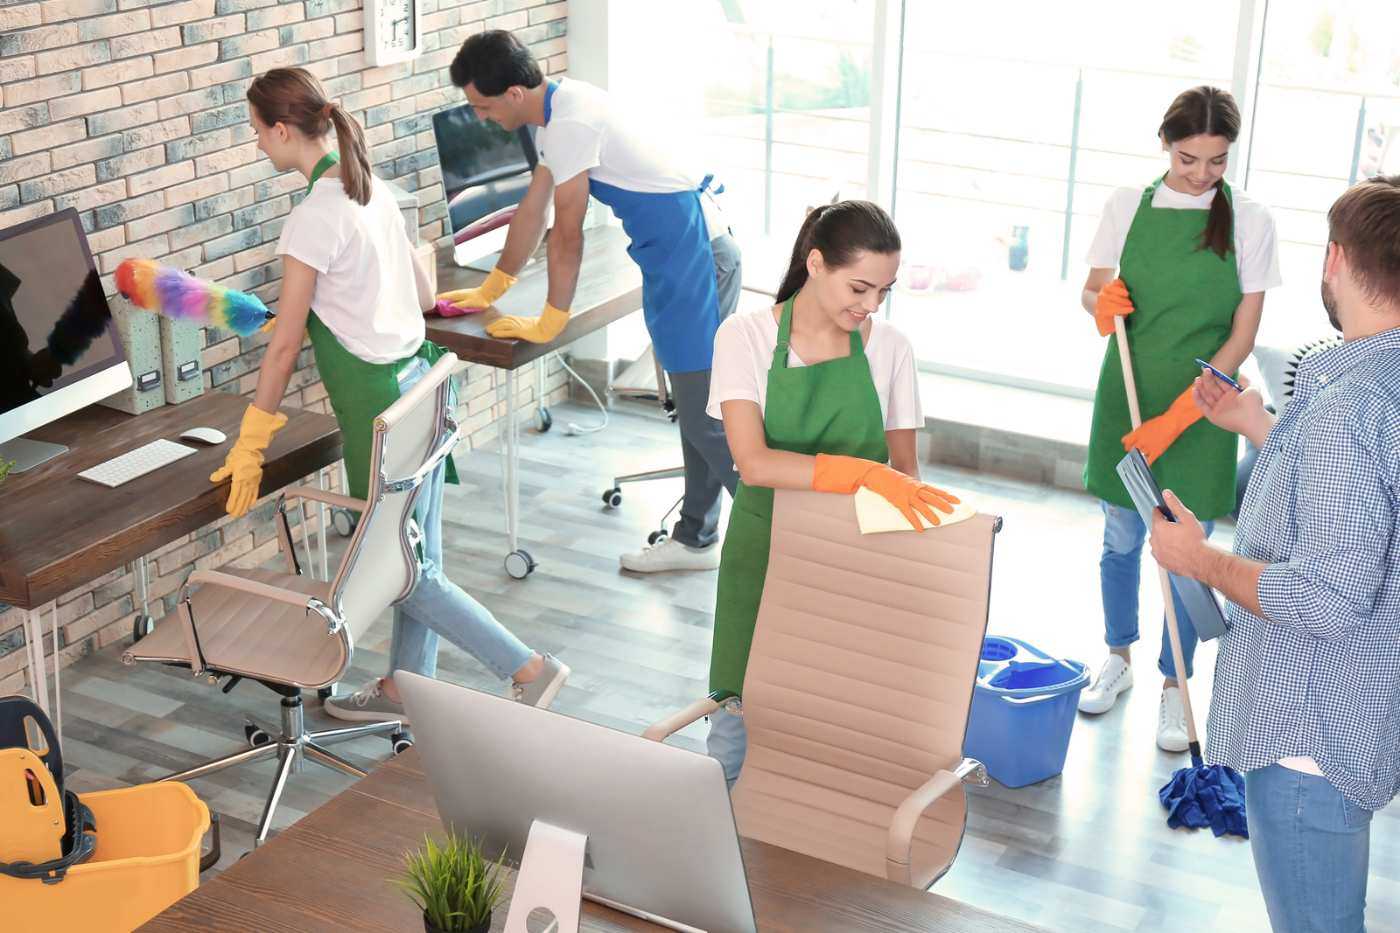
<point x="60" y="531"/>
<point x="331" y="870"/>
<point x="609" y="288"/>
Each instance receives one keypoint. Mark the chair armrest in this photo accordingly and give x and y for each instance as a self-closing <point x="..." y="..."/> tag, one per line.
<point x="254" y="588"/>
<point x="322" y="495"/>
<point x="900" y="839"/>
<point x="661" y="729"/>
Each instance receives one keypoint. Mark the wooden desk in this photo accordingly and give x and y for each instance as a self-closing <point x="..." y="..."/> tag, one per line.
<point x="60" y="531"/>
<point x="609" y="288"/>
<point x="331" y="871"/>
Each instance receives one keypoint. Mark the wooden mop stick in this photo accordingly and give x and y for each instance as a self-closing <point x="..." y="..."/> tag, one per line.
<point x="1172" y="633"/>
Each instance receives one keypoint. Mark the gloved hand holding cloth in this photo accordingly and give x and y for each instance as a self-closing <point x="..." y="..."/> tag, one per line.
<point x="844" y="475"/>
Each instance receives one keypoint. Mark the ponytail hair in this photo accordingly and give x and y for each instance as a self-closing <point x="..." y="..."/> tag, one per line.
<point x="1207" y="111"/>
<point x="838" y="231"/>
<point x="293" y="97"/>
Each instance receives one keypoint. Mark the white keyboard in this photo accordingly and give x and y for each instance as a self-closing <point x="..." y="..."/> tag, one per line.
<point x="136" y="463"/>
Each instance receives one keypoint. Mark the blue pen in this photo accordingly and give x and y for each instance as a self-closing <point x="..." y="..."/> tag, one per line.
<point x="1221" y="376"/>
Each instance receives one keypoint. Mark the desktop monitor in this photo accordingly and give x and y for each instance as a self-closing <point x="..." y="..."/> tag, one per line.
<point x="662" y="843"/>
<point x="59" y="349"/>
<point x="485" y="172"/>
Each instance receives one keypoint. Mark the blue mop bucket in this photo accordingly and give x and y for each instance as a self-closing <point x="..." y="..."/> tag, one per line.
<point x="1023" y="711"/>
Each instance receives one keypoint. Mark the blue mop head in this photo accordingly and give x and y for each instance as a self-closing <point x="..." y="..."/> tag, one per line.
<point x="1206" y="795"/>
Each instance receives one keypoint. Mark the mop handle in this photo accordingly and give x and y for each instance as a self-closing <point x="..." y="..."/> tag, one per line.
<point x="1178" y="658"/>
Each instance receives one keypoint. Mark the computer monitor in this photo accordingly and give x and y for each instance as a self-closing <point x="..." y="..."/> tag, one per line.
<point x="485" y="172"/>
<point x="59" y="349"/>
<point x="661" y="838"/>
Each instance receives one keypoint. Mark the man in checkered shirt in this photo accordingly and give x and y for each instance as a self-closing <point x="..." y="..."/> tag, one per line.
<point x="1307" y="680"/>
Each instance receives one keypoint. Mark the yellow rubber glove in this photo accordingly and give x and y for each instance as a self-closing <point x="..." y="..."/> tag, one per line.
<point x="484" y="295"/>
<point x="844" y="475"/>
<point x="1155" y="435"/>
<point x="542" y="329"/>
<point x="1113" y="302"/>
<point x="245" y="461"/>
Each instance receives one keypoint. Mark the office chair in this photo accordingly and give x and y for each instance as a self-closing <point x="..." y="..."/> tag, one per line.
<point x="290" y="632"/>
<point x="612" y="497"/>
<point x="858" y="690"/>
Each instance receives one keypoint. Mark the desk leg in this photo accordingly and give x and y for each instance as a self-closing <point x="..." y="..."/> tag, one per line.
<point x="321" y="519"/>
<point x="38" y="674"/>
<point x="519" y="563"/>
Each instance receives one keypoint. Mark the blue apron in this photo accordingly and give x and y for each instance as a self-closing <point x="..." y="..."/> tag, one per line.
<point x="671" y="244"/>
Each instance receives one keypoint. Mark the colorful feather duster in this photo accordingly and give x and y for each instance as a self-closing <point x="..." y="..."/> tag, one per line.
<point x="181" y="296"/>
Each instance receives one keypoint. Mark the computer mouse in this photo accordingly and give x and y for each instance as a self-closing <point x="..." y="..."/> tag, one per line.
<point x="204" y="435"/>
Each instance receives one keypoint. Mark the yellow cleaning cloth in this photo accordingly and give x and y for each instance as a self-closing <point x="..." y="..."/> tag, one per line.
<point x="875" y="514"/>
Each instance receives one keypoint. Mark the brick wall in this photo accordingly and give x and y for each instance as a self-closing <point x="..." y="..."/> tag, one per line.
<point x="133" y="112"/>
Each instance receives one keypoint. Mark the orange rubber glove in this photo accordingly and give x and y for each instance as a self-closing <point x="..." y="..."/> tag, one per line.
<point x="245" y="461"/>
<point x="844" y="475"/>
<point x="542" y="329"/>
<point x="1113" y="302"/>
<point x="484" y="295"/>
<point x="1155" y="435"/>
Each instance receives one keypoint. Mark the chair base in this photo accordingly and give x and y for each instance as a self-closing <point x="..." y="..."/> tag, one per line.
<point x="291" y="747"/>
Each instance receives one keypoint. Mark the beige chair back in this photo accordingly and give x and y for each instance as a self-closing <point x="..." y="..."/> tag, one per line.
<point x="860" y="682"/>
<point x="411" y="438"/>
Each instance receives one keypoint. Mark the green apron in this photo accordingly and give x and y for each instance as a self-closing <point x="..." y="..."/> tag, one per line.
<point x="828" y="408"/>
<point x="359" y="391"/>
<point x="1184" y="300"/>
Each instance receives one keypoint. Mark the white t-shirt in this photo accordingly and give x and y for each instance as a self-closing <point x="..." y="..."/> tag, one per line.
<point x="585" y="132"/>
<point x="1256" y="244"/>
<point x="744" y="353"/>
<point x="365" y="287"/>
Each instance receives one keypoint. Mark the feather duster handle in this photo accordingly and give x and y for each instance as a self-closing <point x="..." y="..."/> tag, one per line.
<point x="181" y="296"/>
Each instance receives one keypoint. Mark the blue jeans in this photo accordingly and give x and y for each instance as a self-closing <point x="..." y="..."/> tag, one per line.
<point x="437" y="606"/>
<point x="727" y="742"/>
<point x="1120" y="570"/>
<point x="1311" y="850"/>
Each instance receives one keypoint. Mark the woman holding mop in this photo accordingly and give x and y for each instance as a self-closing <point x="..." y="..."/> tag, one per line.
<point x="345" y="253"/>
<point x="1185" y="261"/>
<point x="815" y="393"/>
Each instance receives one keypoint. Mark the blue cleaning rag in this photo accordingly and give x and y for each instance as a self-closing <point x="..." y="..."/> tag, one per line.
<point x="1201" y="796"/>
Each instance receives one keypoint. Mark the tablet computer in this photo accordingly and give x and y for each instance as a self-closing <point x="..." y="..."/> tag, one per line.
<point x="1198" y="598"/>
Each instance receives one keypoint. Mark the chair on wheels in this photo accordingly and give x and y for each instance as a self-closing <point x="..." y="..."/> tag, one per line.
<point x="292" y="633"/>
<point x="858" y="690"/>
<point x="612" y="497"/>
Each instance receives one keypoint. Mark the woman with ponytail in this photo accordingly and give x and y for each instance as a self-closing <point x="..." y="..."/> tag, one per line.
<point x="346" y="254"/>
<point x="815" y="393"/>
<point x="1185" y="261"/>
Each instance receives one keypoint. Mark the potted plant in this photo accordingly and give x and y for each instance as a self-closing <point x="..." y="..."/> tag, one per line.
<point x="454" y="884"/>
<point x="5" y="466"/>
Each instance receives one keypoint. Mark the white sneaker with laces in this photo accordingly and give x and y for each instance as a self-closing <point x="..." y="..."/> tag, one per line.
<point x="1171" y="722"/>
<point x="670" y="554"/>
<point x="1113" y="678"/>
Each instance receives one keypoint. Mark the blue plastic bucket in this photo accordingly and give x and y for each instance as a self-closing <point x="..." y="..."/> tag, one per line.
<point x="1023" y="711"/>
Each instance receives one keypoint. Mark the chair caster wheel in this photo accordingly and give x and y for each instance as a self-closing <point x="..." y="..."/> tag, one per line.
<point x="343" y="521"/>
<point x="142" y="626"/>
<point x="401" y="741"/>
<point x="612" y="498"/>
<point x="543" y="420"/>
<point x="519" y="564"/>
<point x="256" y="737"/>
<point x="656" y="537"/>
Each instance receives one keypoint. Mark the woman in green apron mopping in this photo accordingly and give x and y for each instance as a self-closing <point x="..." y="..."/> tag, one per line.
<point x="1188" y="260"/>
<point x="345" y="253"/>
<point x="815" y="393"/>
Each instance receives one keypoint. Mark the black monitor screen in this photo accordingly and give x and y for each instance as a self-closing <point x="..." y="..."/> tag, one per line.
<point x="484" y="168"/>
<point x="55" y="325"/>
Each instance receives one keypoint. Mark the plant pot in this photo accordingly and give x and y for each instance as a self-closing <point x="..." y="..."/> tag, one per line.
<point x="481" y="927"/>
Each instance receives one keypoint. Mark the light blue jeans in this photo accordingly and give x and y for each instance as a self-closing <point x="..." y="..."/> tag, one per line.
<point x="437" y="606"/>
<point x="1120" y="571"/>
<point x="727" y="742"/>
<point x="1311" y="848"/>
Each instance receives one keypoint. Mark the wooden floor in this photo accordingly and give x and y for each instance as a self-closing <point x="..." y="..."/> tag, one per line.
<point x="1086" y="851"/>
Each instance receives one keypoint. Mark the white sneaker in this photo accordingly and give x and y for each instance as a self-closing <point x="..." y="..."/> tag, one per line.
<point x="1114" y="677"/>
<point x="1171" y="722"/>
<point x="670" y="554"/>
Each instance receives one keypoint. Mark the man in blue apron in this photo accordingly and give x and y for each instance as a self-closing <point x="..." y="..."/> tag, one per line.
<point x="689" y="261"/>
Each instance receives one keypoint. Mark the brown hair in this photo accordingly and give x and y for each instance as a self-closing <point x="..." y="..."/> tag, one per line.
<point x="1207" y="111"/>
<point x="838" y="231"/>
<point x="1365" y="223"/>
<point x="293" y="97"/>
